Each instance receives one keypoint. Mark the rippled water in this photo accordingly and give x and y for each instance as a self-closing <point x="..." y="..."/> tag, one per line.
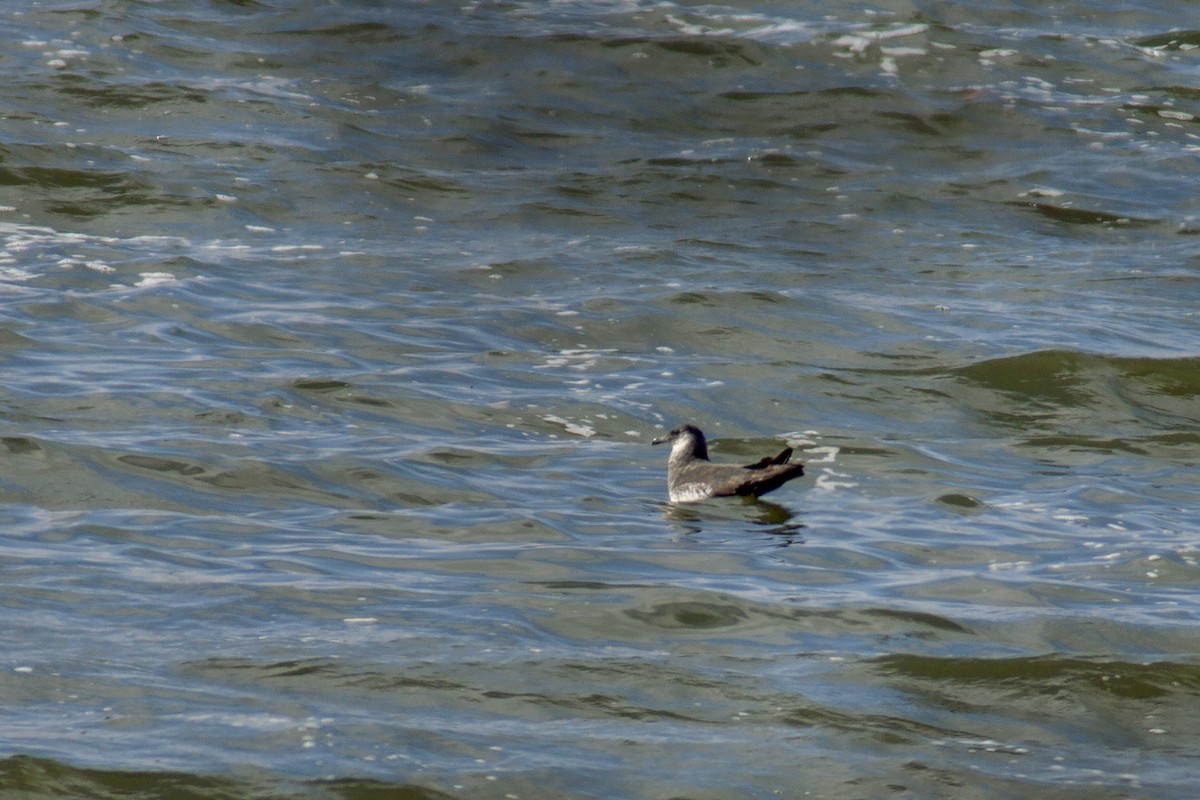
<point x="335" y="333"/>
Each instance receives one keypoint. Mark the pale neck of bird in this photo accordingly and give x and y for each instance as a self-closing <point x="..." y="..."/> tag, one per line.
<point x="686" y="448"/>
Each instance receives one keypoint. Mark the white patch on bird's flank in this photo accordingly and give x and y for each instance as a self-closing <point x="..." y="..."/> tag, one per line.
<point x="690" y="493"/>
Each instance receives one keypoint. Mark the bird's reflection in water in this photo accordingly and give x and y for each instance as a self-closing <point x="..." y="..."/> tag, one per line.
<point x="773" y="518"/>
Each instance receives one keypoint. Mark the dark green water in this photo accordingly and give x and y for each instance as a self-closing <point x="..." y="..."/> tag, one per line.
<point x="334" y="336"/>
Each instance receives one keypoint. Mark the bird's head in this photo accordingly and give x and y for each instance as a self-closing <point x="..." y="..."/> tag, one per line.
<point x="686" y="442"/>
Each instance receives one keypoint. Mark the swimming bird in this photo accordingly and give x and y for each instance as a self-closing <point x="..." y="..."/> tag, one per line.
<point x="691" y="476"/>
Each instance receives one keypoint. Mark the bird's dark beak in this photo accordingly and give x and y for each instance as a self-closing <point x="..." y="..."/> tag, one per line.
<point x="660" y="440"/>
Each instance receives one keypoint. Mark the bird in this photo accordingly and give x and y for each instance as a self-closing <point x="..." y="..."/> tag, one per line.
<point x="691" y="476"/>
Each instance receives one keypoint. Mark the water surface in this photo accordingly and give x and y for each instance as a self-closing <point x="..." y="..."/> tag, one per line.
<point x="334" y="336"/>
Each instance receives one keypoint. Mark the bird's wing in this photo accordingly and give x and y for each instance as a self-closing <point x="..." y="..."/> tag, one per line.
<point x="768" y="461"/>
<point x="727" y="481"/>
<point x="771" y="478"/>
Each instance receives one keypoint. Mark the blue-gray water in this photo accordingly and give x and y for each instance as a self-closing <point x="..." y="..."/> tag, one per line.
<point x="334" y="335"/>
